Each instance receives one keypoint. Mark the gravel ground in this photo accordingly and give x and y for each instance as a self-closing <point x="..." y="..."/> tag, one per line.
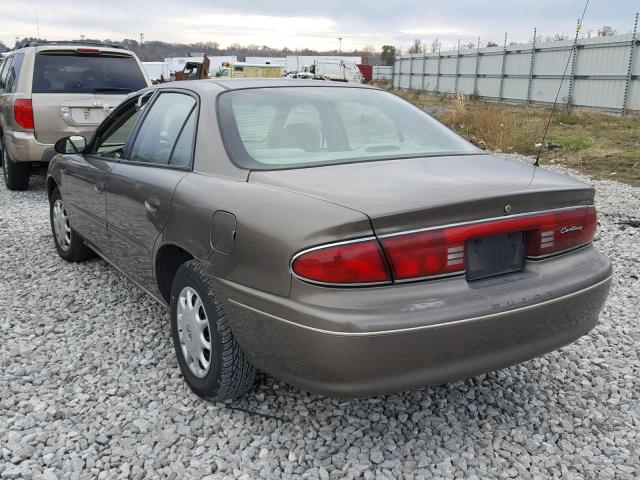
<point x="89" y="387"/>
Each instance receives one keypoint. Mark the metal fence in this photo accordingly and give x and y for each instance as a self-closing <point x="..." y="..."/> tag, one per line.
<point x="603" y="72"/>
<point x="381" y="72"/>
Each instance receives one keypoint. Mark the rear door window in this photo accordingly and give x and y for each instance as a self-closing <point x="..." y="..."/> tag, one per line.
<point x="6" y="66"/>
<point x="81" y="73"/>
<point x="160" y="129"/>
<point x="13" y="73"/>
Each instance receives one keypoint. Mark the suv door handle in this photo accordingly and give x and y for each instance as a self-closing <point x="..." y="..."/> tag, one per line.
<point x="98" y="187"/>
<point x="152" y="204"/>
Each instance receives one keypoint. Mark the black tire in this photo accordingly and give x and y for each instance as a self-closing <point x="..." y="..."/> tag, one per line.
<point x="76" y="250"/>
<point x="16" y="175"/>
<point x="230" y="375"/>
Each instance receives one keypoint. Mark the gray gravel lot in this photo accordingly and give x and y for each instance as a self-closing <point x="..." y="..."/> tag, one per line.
<point x="89" y="387"/>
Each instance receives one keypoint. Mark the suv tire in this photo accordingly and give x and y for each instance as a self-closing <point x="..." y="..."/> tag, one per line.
<point x="69" y="244"/>
<point x="16" y="175"/>
<point x="198" y="321"/>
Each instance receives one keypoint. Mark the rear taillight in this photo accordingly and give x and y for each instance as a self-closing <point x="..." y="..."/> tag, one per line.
<point x="23" y="112"/>
<point x="440" y="251"/>
<point x="562" y="231"/>
<point x="350" y="263"/>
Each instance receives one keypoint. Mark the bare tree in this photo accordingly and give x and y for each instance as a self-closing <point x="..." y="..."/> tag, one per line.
<point x="435" y="45"/>
<point x="606" y="31"/>
<point x="416" y="47"/>
<point x="491" y="43"/>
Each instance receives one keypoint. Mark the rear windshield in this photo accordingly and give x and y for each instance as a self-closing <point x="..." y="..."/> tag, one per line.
<point x="70" y="73"/>
<point x="271" y="128"/>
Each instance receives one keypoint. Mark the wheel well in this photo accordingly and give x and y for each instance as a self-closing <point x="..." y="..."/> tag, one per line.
<point x="168" y="260"/>
<point x="51" y="184"/>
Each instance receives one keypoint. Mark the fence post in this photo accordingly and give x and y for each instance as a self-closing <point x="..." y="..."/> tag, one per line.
<point x="531" y="66"/>
<point x="424" y="67"/>
<point x="504" y="63"/>
<point x="574" y="60"/>
<point x="411" y="72"/>
<point x="438" y="72"/>
<point x="393" y="74"/>
<point x="475" y="75"/>
<point x="632" y="53"/>
<point x="455" y="87"/>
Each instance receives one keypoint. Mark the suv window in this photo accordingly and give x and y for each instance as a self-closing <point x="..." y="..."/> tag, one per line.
<point x="6" y="66"/>
<point x="81" y="73"/>
<point x="13" y="72"/>
<point x="157" y="137"/>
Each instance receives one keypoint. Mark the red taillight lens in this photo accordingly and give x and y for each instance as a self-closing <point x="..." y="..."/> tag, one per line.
<point x="360" y="262"/>
<point x="87" y="50"/>
<point x="440" y="251"/>
<point x="558" y="232"/>
<point x="23" y="113"/>
<point x="424" y="254"/>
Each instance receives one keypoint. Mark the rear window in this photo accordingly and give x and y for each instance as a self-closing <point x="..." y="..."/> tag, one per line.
<point x="71" y="73"/>
<point x="271" y="128"/>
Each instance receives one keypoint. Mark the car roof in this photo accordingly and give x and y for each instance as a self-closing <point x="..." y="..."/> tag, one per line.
<point x="219" y="86"/>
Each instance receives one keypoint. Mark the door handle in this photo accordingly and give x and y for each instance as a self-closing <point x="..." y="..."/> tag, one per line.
<point x="152" y="204"/>
<point x="98" y="187"/>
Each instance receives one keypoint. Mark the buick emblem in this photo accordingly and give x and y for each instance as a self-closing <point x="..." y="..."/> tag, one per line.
<point x="507" y="209"/>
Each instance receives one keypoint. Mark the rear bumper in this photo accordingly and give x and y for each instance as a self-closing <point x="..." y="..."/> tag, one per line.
<point x="23" y="147"/>
<point x="437" y="340"/>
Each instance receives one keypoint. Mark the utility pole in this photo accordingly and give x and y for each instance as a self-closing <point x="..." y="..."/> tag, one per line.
<point x="82" y="37"/>
<point x="141" y="42"/>
<point x="340" y="45"/>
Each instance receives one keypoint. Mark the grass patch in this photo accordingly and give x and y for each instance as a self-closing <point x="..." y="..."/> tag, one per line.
<point x="599" y="145"/>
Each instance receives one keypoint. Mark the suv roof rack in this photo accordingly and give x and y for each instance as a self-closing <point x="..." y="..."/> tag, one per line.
<point x="72" y="42"/>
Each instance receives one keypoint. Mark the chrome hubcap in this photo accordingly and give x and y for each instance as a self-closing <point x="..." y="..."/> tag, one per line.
<point x="193" y="332"/>
<point x="61" y="225"/>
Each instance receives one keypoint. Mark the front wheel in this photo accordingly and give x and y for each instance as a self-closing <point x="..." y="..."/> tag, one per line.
<point x="69" y="244"/>
<point x="209" y="356"/>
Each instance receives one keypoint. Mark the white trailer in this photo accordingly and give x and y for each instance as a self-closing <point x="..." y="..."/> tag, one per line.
<point x="296" y="63"/>
<point x="282" y="61"/>
<point x="156" y="69"/>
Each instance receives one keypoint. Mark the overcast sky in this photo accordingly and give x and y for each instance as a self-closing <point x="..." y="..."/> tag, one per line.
<point x="316" y="24"/>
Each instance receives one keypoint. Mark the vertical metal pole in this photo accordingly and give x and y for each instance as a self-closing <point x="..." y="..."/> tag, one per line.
<point x="574" y="60"/>
<point x="455" y="88"/>
<point x="424" y="68"/>
<point x="475" y="77"/>
<point x="504" y="63"/>
<point x="411" y="72"/>
<point x="632" y="55"/>
<point x="393" y="73"/>
<point x="438" y="71"/>
<point x="531" y="66"/>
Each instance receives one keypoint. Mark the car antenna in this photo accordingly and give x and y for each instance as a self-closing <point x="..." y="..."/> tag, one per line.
<point x="574" y="52"/>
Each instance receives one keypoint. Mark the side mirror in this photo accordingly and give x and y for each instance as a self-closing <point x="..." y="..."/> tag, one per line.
<point x="72" y="144"/>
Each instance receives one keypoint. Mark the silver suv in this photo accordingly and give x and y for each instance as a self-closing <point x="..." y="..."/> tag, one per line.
<point x="50" y="90"/>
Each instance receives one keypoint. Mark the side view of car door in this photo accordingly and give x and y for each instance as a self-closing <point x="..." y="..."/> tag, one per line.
<point x="141" y="184"/>
<point x="84" y="177"/>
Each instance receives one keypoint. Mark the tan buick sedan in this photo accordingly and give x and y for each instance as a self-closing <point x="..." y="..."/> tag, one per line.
<point x="332" y="235"/>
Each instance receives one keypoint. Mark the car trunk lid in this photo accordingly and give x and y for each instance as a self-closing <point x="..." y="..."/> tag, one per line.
<point x="407" y="194"/>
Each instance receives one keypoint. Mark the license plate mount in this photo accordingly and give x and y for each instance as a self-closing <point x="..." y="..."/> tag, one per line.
<point x="495" y="255"/>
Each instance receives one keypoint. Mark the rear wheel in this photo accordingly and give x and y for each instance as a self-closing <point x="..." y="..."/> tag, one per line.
<point x="16" y="175"/>
<point x="209" y="356"/>
<point x="69" y="244"/>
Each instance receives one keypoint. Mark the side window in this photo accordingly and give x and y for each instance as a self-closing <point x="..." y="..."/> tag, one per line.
<point x="159" y="132"/>
<point x="6" y="66"/>
<point x="111" y="143"/>
<point x="14" y="73"/>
